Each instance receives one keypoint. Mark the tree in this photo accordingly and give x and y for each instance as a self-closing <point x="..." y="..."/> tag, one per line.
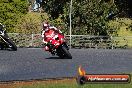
<point x="31" y="23"/>
<point x="90" y="16"/>
<point x="54" y="7"/>
<point x="125" y="7"/>
<point x="11" y="11"/>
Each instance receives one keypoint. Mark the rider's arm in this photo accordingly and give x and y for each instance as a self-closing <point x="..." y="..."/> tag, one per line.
<point x="42" y="34"/>
<point x="60" y="31"/>
<point x="45" y="42"/>
<point x="52" y="27"/>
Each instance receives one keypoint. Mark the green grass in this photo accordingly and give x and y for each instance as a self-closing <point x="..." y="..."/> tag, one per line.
<point x="75" y="85"/>
<point x="71" y="84"/>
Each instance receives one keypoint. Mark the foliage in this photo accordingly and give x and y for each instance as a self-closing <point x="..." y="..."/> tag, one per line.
<point x="54" y="7"/>
<point x="30" y="23"/>
<point x="11" y="11"/>
<point x="124" y="7"/>
<point x="90" y="16"/>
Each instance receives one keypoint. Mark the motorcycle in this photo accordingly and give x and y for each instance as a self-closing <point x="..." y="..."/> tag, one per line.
<point x="57" y="44"/>
<point x="5" y="40"/>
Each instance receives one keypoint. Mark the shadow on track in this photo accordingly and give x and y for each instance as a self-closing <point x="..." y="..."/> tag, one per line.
<point x="6" y="49"/>
<point x="55" y="58"/>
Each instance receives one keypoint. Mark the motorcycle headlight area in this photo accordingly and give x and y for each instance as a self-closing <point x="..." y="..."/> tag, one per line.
<point x="57" y="44"/>
<point x="56" y="37"/>
<point x="54" y="43"/>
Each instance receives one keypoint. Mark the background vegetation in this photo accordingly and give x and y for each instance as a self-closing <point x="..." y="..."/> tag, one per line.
<point x="11" y="11"/>
<point x="89" y="17"/>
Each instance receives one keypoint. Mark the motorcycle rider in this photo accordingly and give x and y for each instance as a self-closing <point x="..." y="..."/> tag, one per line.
<point x="1" y="33"/>
<point x="45" y="28"/>
<point x="1" y="29"/>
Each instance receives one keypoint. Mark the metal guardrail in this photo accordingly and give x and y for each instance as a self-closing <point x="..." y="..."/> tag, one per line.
<point x="78" y="41"/>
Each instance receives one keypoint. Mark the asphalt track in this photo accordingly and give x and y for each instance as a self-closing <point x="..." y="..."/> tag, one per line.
<point x="34" y="63"/>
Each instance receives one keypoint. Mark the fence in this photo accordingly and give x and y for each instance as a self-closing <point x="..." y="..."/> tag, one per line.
<point x="78" y="41"/>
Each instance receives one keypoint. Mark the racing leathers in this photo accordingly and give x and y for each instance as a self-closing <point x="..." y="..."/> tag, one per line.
<point x="46" y="33"/>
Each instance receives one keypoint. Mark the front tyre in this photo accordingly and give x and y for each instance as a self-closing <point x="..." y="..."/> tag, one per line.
<point x="66" y="53"/>
<point x="1" y="46"/>
<point x="12" y="45"/>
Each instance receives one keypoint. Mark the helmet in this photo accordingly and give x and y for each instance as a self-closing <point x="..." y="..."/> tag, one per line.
<point x="45" y="25"/>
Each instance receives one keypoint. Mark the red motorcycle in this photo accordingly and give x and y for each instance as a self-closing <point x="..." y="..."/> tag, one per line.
<point x="57" y="44"/>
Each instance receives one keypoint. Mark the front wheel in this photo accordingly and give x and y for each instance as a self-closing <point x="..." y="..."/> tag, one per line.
<point x="1" y="46"/>
<point x="12" y="45"/>
<point x="65" y="53"/>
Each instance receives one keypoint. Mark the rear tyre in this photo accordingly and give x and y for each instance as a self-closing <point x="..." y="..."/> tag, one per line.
<point x="66" y="53"/>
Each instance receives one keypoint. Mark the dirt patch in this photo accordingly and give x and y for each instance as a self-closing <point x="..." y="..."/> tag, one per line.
<point x="16" y="84"/>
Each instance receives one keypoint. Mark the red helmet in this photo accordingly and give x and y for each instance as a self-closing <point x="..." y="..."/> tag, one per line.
<point x="45" y="25"/>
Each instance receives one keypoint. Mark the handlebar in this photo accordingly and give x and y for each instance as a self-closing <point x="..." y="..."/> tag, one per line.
<point x="2" y="32"/>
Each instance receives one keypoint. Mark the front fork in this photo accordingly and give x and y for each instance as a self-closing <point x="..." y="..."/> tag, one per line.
<point x="51" y="49"/>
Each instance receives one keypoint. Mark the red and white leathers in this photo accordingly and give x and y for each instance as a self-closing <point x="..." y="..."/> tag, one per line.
<point x="46" y="33"/>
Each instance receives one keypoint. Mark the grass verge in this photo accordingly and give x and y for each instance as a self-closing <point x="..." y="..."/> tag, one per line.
<point x="63" y="83"/>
